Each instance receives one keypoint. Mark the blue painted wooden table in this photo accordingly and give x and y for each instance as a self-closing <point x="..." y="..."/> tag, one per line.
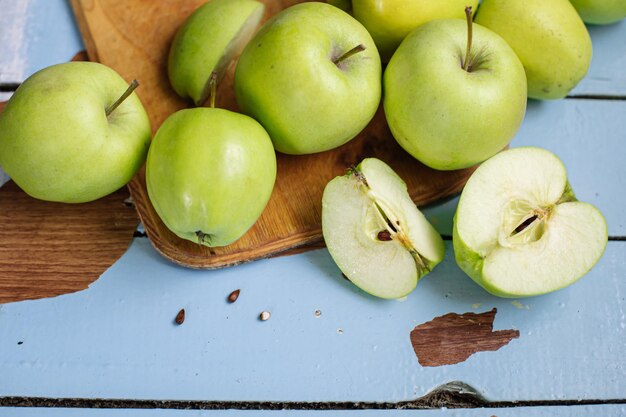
<point x="327" y="346"/>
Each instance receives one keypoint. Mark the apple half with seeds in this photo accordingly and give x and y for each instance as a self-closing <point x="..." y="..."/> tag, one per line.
<point x="375" y="233"/>
<point x="208" y="42"/>
<point x="519" y="230"/>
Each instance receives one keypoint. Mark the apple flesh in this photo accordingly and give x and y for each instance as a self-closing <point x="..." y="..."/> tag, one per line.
<point x="390" y="21"/>
<point x="210" y="173"/>
<point x="519" y="230"/>
<point x="58" y="143"/>
<point x="446" y="116"/>
<point x="375" y="233"/>
<point x="208" y="42"/>
<point x="295" y="78"/>
<point x="600" y="12"/>
<point x="548" y="37"/>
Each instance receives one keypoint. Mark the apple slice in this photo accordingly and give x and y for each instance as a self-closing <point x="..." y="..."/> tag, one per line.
<point x="519" y="230"/>
<point x="375" y="233"/>
<point x="208" y="42"/>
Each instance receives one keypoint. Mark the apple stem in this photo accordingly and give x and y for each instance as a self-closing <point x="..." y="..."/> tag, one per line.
<point x="213" y="89"/>
<point x="468" y="15"/>
<point x="353" y="51"/>
<point x="134" y="84"/>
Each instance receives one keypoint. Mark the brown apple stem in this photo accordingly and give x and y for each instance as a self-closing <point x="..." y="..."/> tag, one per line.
<point x="353" y="51"/>
<point x="213" y="89"/>
<point x="123" y="97"/>
<point x="468" y="15"/>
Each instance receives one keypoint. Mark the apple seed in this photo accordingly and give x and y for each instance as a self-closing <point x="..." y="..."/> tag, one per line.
<point x="180" y="317"/>
<point x="233" y="296"/>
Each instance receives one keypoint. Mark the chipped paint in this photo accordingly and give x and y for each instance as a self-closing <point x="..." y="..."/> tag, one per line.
<point x="452" y="338"/>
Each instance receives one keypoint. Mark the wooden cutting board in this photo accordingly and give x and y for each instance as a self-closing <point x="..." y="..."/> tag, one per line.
<point x="133" y="37"/>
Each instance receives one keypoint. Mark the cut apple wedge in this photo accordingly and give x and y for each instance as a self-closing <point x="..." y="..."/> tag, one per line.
<point x="208" y="41"/>
<point x="519" y="230"/>
<point x="375" y="233"/>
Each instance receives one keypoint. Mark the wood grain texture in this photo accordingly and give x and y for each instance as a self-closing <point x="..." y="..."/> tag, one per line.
<point x="133" y="37"/>
<point x="48" y="249"/>
<point x="452" y="338"/>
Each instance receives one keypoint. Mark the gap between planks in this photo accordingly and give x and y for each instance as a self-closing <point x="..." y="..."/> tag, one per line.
<point x="434" y="400"/>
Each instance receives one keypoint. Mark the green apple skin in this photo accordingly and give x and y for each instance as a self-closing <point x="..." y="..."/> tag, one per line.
<point x="390" y="21"/>
<point x="345" y="5"/>
<point x="554" y="193"/>
<point x="206" y="42"/>
<point x="56" y="141"/>
<point x="549" y="38"/>
<point x="444" y="116"/>
<point x="600" y="12"/>
<point x="287" y="80"/>
<point x="210" y="171"/>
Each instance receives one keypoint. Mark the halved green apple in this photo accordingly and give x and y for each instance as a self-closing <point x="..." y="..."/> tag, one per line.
<point x="519" y="230"/>
<point x="208" y="41"/>
<point x="375" y="233"/>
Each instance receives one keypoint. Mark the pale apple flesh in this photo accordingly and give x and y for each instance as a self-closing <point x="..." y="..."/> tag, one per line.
<point x="208" y="42"/>
<point x="519" y="230"/>
<point x="375" y="233"/>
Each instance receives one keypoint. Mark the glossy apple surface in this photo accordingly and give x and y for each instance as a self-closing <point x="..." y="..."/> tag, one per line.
<point x="210" y="173"/>
<point x="208" y="41"/>
<point x="444" y="115"/>
<point x="390" y="21"/>
<point x="600" y="12"/>
<point x="288" y="78"/>
<point x="57" y="142"/>
<point x="548" y="37"/>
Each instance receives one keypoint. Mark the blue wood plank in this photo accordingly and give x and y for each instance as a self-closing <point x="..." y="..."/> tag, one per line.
<point x="35" y="34"/>
<point x="606" y="74"/>
<point x="588" y="136"/>
<point x="611" y="410"/>
<point x="117" y="339"/>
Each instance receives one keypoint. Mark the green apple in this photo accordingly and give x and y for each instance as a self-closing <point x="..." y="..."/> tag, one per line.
<point x="600" y="12"/>
<point x="345" y="5"/>
<point x="448" y="111"/>
<point x="311" y="77"/>
<point x="208" y="41"/>
<point x="375" y="233"/>
<point x="548" y="37"/>
<point x="390" y="21"/>
<point x="210" y="173"/>
<point x="518" y="229"/>
<point x="73" y="133"/>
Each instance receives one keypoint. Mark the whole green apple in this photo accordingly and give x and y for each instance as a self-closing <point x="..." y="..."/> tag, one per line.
<point x="448" y="111"/>
<point x="519" y="230"/>
<point x="207" y="43"/>
<point x="600" y="12"/>
<point x="311" y="77"/>
<point x="210" y="173"/>
<point x="548" y="37"/>
<point x="390" y="21"/>
<point x="63" y="139"/>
